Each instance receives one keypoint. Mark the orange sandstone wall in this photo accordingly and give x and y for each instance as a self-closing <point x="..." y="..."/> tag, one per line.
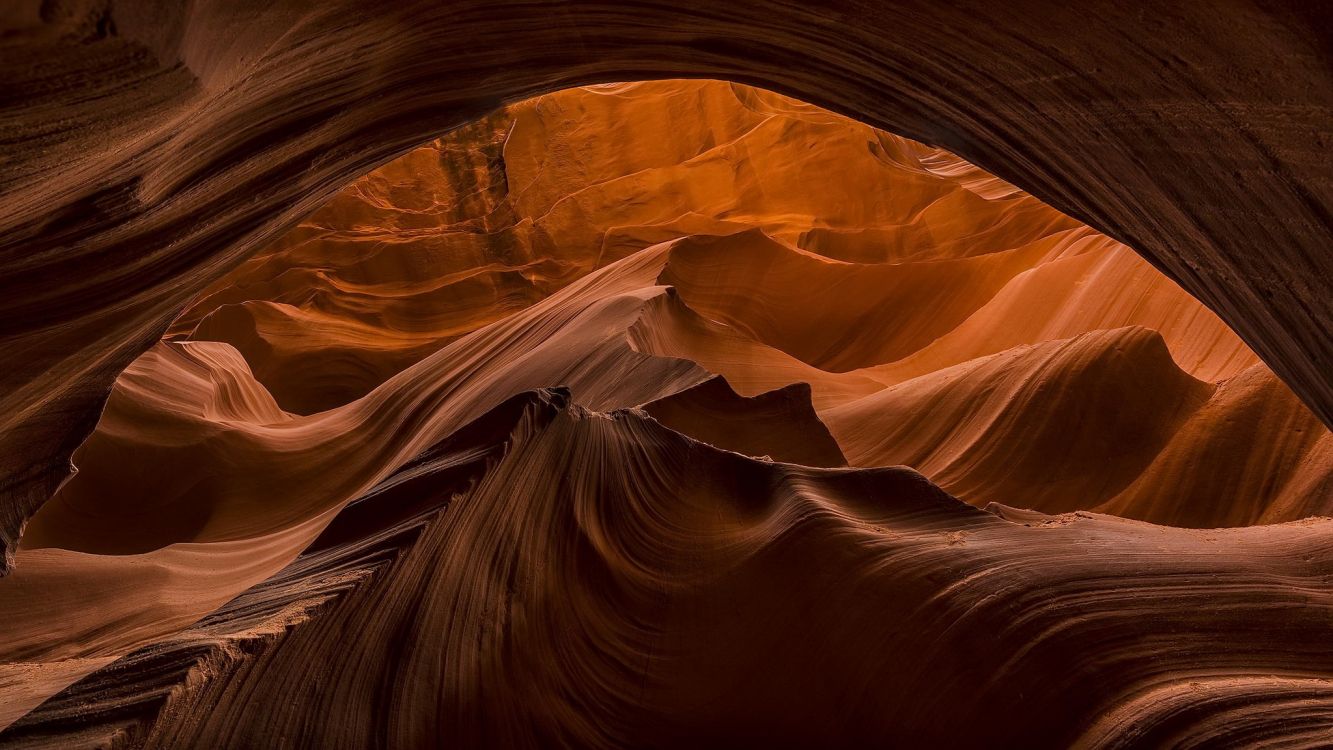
<point x="640" y="413"/>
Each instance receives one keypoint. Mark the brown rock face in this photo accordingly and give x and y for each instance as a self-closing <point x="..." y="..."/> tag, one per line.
<point x="151" y="146"/>
<point x="677" y="413"/>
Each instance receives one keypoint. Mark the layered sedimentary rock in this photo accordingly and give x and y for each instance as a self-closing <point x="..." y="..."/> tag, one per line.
<point x="585" y="425"/>
<point x="935" y="265"/>
<point x="151" y="146"/>
<point x="666" y="593"/>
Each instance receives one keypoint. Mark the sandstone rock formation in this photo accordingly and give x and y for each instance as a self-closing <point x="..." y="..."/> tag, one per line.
<point x="150" y="146"/>
<point x="640" y="414"/>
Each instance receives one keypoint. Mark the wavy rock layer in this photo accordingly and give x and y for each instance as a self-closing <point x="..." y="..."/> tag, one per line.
<point x="619" y="606"/>
<point x="550" y="422"/>
<point x="907" y="267"/>
<point x="151" y="146"/>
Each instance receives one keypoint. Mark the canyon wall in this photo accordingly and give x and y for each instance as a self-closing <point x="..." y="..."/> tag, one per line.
<point x="151" y="146"/>
<point x="642" y="413"/>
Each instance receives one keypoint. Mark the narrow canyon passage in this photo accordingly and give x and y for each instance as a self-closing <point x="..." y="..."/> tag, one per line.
<point x="644" y="412"/>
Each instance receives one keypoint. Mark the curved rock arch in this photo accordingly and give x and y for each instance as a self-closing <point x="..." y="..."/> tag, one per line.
<point x="150" y="146"/>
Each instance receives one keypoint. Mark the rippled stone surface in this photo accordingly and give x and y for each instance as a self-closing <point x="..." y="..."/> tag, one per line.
<point x="151" y="146"/>
<point x="539" y="436"/>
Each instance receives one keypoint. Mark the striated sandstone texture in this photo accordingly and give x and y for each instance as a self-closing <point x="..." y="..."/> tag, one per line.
<point x="149" y="146"/>
<point x="678" y="413"/>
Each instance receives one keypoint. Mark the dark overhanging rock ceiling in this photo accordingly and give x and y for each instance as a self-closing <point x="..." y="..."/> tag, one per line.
<point x="149" y="147"/>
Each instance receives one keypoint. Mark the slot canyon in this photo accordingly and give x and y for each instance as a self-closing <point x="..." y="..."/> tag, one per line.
<point x="620" y="375"/>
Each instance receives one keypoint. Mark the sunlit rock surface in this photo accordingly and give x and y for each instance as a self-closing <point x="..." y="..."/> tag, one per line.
<point x="643" y="413"/>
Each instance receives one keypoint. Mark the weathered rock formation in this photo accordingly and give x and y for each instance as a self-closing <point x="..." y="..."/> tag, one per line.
<point x="542" y="437"/>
